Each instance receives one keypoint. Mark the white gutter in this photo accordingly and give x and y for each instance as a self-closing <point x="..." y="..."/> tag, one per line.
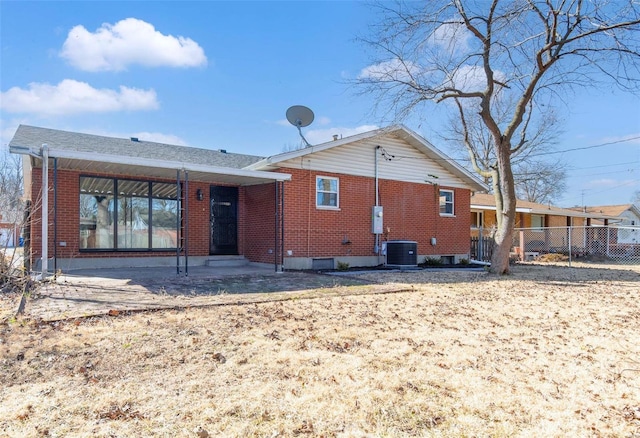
<point x="163" y="164"/>
<point x="493" y="208"/>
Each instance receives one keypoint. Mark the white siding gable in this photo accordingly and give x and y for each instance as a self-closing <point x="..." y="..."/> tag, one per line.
<point x="403" y="162"/>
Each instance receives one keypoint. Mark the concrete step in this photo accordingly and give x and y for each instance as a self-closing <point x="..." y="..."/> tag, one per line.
<point x="226" y="261"/>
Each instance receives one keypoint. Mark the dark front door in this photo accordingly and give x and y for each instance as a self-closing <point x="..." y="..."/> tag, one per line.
<point x="223" y="220"/>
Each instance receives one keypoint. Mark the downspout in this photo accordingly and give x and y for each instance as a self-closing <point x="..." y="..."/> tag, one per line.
<point x="178" y="217"/>
<point x="275" y="252"/>
<point x="55" y="216"/>
<point x="44" y="152"/>
<point x="186" y="223"/>
<point x="282" y="227"/>
<point x="376" y="247"/>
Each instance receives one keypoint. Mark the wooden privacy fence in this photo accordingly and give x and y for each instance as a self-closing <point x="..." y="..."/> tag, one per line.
<point x="481" y="248"/>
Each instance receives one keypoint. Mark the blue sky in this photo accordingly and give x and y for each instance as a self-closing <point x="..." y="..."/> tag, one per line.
<point x="221" y="75"/>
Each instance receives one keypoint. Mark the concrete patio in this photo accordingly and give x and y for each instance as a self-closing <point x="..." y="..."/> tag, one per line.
<point x="85" y="293"/>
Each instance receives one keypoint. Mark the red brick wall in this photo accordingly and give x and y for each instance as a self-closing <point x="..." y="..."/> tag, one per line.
<point x="258" y="226"/>
<point x="411" y="212"/>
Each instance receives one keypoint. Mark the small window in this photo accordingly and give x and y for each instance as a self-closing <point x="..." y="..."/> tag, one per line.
<point x="537" y="222"/>
<point x="446" y="202"/>
<point x="327" y="191"/>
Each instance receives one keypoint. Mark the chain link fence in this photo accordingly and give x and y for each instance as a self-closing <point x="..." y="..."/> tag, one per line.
<point x="620" y="244"/>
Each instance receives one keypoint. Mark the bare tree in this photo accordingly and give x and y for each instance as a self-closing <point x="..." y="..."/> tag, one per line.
<point x="477" y="55"/>
<point x="11" y="205"/>
<point x="540" y="181"/>
<point x="537" y="179"/>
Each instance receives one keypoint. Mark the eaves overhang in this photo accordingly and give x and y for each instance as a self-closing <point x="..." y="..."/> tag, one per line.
<point x="126" y="165"/>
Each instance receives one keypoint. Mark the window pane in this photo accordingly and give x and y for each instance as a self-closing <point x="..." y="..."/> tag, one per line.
<point x="164" y="215"/>
<point x="133" y="216"/>
<point x="537" y="221"/>
<point x="164" y="191"/>
<point x="327" y="185"/>
<point x="128" y="188"/>
<point x="446" y="202"/>
<point x="327" y="199"/>
<point x="327" y="192"/>
<point x="96" y="213"/>
<point x="102" y="198"/>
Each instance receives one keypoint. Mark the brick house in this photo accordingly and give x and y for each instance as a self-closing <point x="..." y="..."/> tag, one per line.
<point x="126" y="202"/>
<point x="547" y="225"/>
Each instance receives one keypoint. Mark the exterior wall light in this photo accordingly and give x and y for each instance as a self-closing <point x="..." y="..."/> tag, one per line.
<point x="199" y="195"/>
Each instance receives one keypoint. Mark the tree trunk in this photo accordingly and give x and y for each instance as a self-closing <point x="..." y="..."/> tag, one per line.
<point x="505" y="194"/>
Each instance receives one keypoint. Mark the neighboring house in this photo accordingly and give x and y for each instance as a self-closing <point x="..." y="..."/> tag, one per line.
<point x="547" y="225"/>
<point x="9" y="234"/>
<point x="628" y="220"/>
<point x="126" y="202"/>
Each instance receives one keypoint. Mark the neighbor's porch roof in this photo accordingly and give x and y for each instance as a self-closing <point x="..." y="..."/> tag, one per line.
<point x="485" y="201"/>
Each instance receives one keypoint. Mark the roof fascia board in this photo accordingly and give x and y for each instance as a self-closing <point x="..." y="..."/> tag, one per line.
<point x="144" y="162"/>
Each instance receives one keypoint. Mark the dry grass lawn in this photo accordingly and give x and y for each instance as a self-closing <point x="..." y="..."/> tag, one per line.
<point x="545" y="352"/>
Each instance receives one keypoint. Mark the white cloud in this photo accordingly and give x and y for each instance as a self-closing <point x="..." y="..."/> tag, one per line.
<point x="630" y="139"/>
<point x="8" y="130"/>
<point x="469" y="78"/>
<point x="71" y="97"/>
<point x="394" y="70"/>
<point x="452" y="37"/>
<point x="323" y="120"/>
<point x="130" y="41"/>
<point x="317" y="136"/>
<point x="609" y="183"/>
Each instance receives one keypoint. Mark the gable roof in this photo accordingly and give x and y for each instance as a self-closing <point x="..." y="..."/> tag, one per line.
<point x="95" y="153"/>
<point x="610" y="210"/>
<point x="397" y="131"/>
<point x="484" y="201"/>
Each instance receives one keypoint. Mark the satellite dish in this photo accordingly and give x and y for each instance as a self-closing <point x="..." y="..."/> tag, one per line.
<point x="300" y="116"/>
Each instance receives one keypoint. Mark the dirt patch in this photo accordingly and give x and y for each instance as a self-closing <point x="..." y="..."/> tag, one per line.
<point x="546" y="351"/>
<point x="243" y="284"/>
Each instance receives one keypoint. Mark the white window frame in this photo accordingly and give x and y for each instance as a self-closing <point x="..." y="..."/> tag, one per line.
<point x="446" y="203"/>
<point x="479" y="219"/>
<point x="337" y="193"/>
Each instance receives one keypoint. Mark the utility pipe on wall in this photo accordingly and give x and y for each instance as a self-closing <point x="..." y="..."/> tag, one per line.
<point x="376" y="247"/>
<point x="44" y="151"/>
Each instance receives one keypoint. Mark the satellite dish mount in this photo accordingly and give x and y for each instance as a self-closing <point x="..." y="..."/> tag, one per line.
<point x="300" y="116"/>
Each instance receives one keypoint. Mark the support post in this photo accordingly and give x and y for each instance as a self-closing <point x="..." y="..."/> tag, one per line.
<point x="178" y="222"/>
<point x="275" y="250"/>
<point x="569" y="240"/>
<point x="45" y="209"/>
<point x="55" y="216"/>
<point x="282" y="226"/>
<point x="521" y="237"/>
<point x="186" y="223"/>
